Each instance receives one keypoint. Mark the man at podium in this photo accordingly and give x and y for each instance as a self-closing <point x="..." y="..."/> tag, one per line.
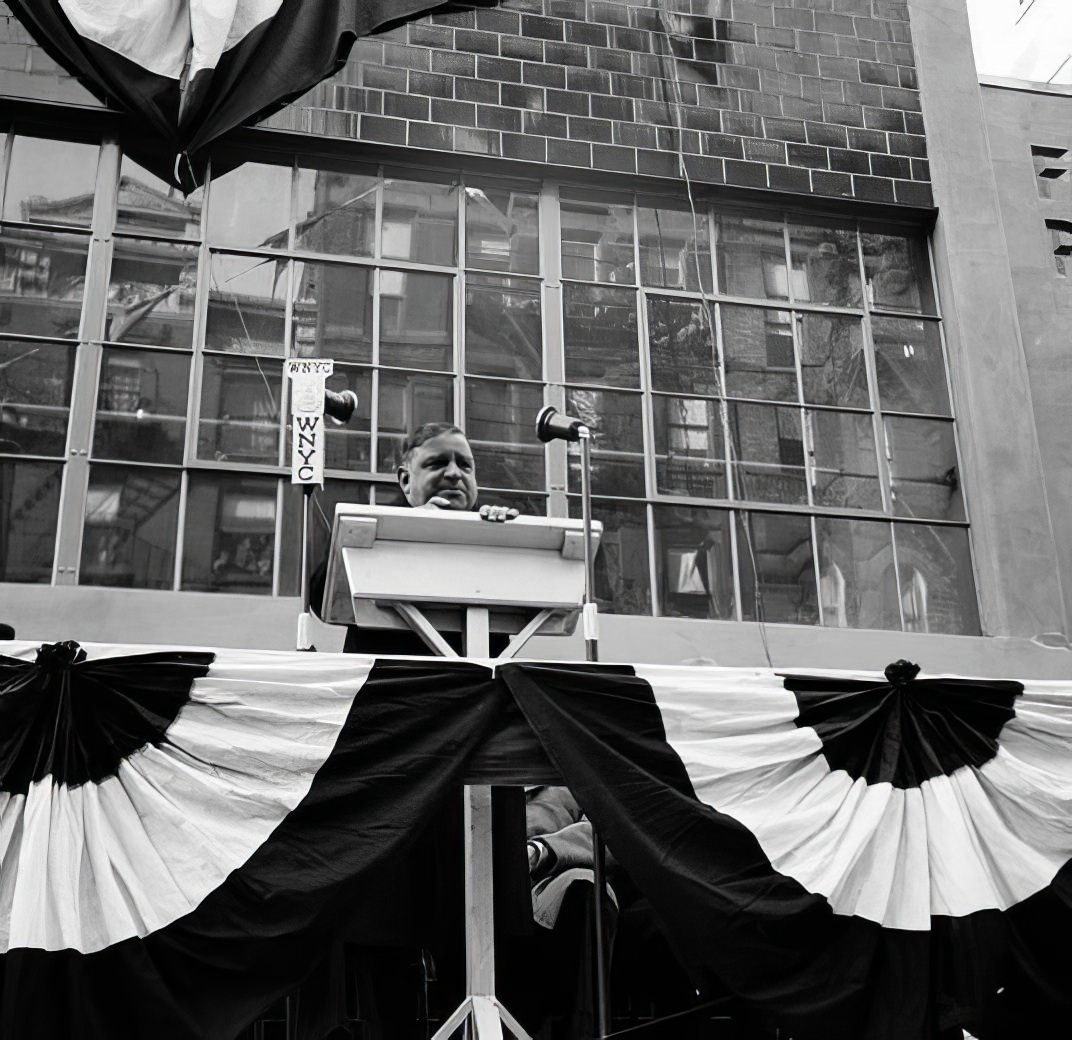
<point x="436" y="470"/>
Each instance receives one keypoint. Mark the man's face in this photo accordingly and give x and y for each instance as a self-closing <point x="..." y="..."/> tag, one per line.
<point x="440" y="469"/>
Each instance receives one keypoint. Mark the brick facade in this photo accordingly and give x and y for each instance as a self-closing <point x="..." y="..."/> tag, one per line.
<point x="813" y="97"/>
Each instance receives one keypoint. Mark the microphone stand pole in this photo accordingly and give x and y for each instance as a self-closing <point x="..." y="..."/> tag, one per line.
<point x="590" y="620"/>
<point x="304" y="641"/>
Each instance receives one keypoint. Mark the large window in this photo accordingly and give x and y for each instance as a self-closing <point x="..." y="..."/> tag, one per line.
<point x="768" y="393"/>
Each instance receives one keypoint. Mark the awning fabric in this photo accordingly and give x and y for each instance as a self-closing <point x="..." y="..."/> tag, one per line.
<point x="859" y="857"/>
<point x="187" y="71"/>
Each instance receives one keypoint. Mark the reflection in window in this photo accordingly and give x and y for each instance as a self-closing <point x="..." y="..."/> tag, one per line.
<point x="350" y="447"/>
<point x="826" y="268"/>
<point x="35" y="397"/>
<point x="597" y="241"/>
<point x="336" y="211"/>
<point x="617" y="441"/>
<point x="909" y="366"/>
<point x="601" y="335"/>
<point x="503" y="327"/>
<point x="751" y="258"/>
<point x="151" y="293"/>
<point x="29" y="511"/>
<point x="682" y="345"/>
<point x="246" y="304"/>
<point x="898" y="273"/>
<point x="502" y="230"/>
<point x="331" y="316"/>
<point x="768" y="449"/>
<point x="855" y="573"/>
<point x="239" y="410"/>
<point x="622" y="577"/>
<point x="941" y="558"/>
<point x="832" y="364"/>
<point x="844" y="470"/>
<point x="408" y="400"/>
<point x="141" y="405"/>
<point x="781" y="547"/>
<point x="499" y="419"/>
<point x="42" y="281"/>
<point x="229" y="534"/>
<point x="695" y="562"/>
<point x="923" y="469"/>
<point x="129" y="534"/>
<point x="250" y="206"/>
<point x="675" y="251"/>
<point x="145" y="203"/>
<point x="420" y="221"/>
<point x="689" y="447"/>
<point x="50" y="182"/>
<point x="417" y="320"/>
<point x="758" y="345"/>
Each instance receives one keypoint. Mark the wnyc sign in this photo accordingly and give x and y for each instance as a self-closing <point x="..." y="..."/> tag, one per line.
<point x="307" y="444"/>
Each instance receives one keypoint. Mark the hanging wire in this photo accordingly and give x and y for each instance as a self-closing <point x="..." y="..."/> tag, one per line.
<point x="705" y="305"/>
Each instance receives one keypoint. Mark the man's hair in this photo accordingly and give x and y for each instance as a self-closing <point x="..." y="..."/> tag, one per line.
<point x="422" y="434"/>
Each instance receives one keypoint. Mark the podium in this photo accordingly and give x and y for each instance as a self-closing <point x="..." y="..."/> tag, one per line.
<point x="440" y="571"/>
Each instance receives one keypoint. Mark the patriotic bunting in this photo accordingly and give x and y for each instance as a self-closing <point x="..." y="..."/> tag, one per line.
<point x="857" y="857"/>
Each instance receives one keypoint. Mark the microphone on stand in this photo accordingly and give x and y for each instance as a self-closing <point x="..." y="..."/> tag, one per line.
<point x="552" y="425"/>
<point x="339" y="407"/>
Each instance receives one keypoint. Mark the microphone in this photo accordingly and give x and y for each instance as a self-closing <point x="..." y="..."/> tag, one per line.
<point x="340" y="406"/>
<point x="552" y="425"/>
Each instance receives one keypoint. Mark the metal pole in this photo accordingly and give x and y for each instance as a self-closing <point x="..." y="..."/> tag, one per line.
<point x="304" y="641"/>
<point x="591" y="646"/>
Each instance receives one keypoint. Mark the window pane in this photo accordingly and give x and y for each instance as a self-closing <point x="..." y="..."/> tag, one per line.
<point x="601" y="335"/>
<point x="937" y="586"/>
<point x="844" y="460"/>
<point x="29" y="513"/>
<point x="246" y="304"/>
<point x="332" y="312"/>
<point x="129" y="533"/>
<point x="417" y="320"/>
<point x="408" y="400"/>
<point x="673" y="246"/>
<point x="325" y="500"/>
<point x="250" y="207"/>
<point x="622" y="578"/>
<point x="503" y="327"/>
<point x="146" y="203"/>
<point x="502" y="230"/>
<point x="751" y="258"/>
<point x="141" y="405"/>
<point x="42" y="279"/>
<point x="826" y="268"/>
<point x="151" y="293"/>
<point x="832" y="361"/>
<point x="758" y="345"/>
<point x="500" y="423"/>
<point x="683" y="354"/>
<point x="51" y="182"/>
<point x="229" y="540"/>
<point x="350" y="446"/>
<point x="769" y="451"/>
<point x="923" y="469"/>
<point x="240" y="410"/>
<point x="898" y="274"/>
<point x="694" y="562"/>
<point x="617" y="441"/>
<point x="857" y="582"/>
<point x="597" y="241"/>
<point x="690" y="451"/>
<point x="336" y="211"/>
<point x="910" y="366"/>
<point x="781" y="546"/>
<point x="35" y="397"/>
<point x="420" y="221"/>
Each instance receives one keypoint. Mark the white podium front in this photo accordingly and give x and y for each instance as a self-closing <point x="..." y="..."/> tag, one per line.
<point x="437" y="571"/>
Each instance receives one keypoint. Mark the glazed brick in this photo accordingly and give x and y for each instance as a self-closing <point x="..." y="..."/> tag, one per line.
<point x="586" y="33"/>
<point x="423" y="33"/>
<point x="789" y="178"/>
<point x="838" y="24"/>
<point x="786" y="38"/>
<point x="406" y="106"/>
<point x="430" y="83"/>
<point x="569" y="153"/>
<point x="744" y="123"/>
<point x="458" y="113"/>
<point x="808" y="155"/>
<point x="513" y="95"/>
<point x="567" y="102"/>
<point x="786" y="130"/>
<point x="592" y="81"/>
<point x="536" y="27"/>
<point x="793" y="61"/>
<point x="484" y="92"/>
<point x="519" y="47"/>
<point x="431" y="135"/>
<point x="480" y="142"/>
<point x="913" y="122"/>
<point x="524" y="146"/>
<point x="615" y="158"/>
<point x="823" y="44"/>
<point x="921" y="170"/>
<point x="407" y="57"/>
<point x="605" y="107"/>
<point x="658" y="164"/>
<point x="794" y="18"/>
<point x="565" y="53"/>
<point x="381" y="78"/>
<point x="358" y="99"/>
<point x="874" y="189"/>
<point x="863" y="94"/>
<point x="711" y="50"/>
<point x="609" y="14"/>
<point x="831" y="184"/>
<point x="896" y="97"/>
<point x="907" y="78"/>
<point x="656" y="112"/>
<point x="723" y="145"/>
<point x="543" y="75"/>
<point x="828" y="135"/>
<point x="800" y="108"/>
<point x="852" y="6"/>
<point x="761" y="104"/>
<point x="638" y="87"/>
<point x="839" y="68"/>
<point x="451" y="63"/>
<point x="884" y="75"/>
<point x="746" y="174"/>
<point x="897" y="167"/>
<point x="702" y="119"/>
<point x="545" y="124"/>
<point x="465" y="19"/>
<point x="494" y="117"/>
<point x="851" y="47"/>
<point x="382" y="129"/>
<point x="705" y="168"/>
<point x="884" y="119"/>
<point x="498" y="20"/>
<point x="844" y="161"/>
<point x="908" y="144"/>
<point x="585" y="129"/>
<point x="743" y="79"/>
<point x="849" y="115"/>
<point x="912" y="193"/>
<point x="474" y="42"/>
<point x="634" y="40"/>
<point x="757" y="11"/>
<point x="503" y="70"/>
<point x="765" y="151"/>
<point x="894" y="53"/>
<point x="635" y="135"/>
<point x="868" y="140"/>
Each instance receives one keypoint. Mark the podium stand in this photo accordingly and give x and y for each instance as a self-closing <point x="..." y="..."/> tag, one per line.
<point x="437" y="571"/>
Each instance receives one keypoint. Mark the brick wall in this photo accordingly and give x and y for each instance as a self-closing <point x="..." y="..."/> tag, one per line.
<point x="26" y="71"/>
<point x="816" y="97"/>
